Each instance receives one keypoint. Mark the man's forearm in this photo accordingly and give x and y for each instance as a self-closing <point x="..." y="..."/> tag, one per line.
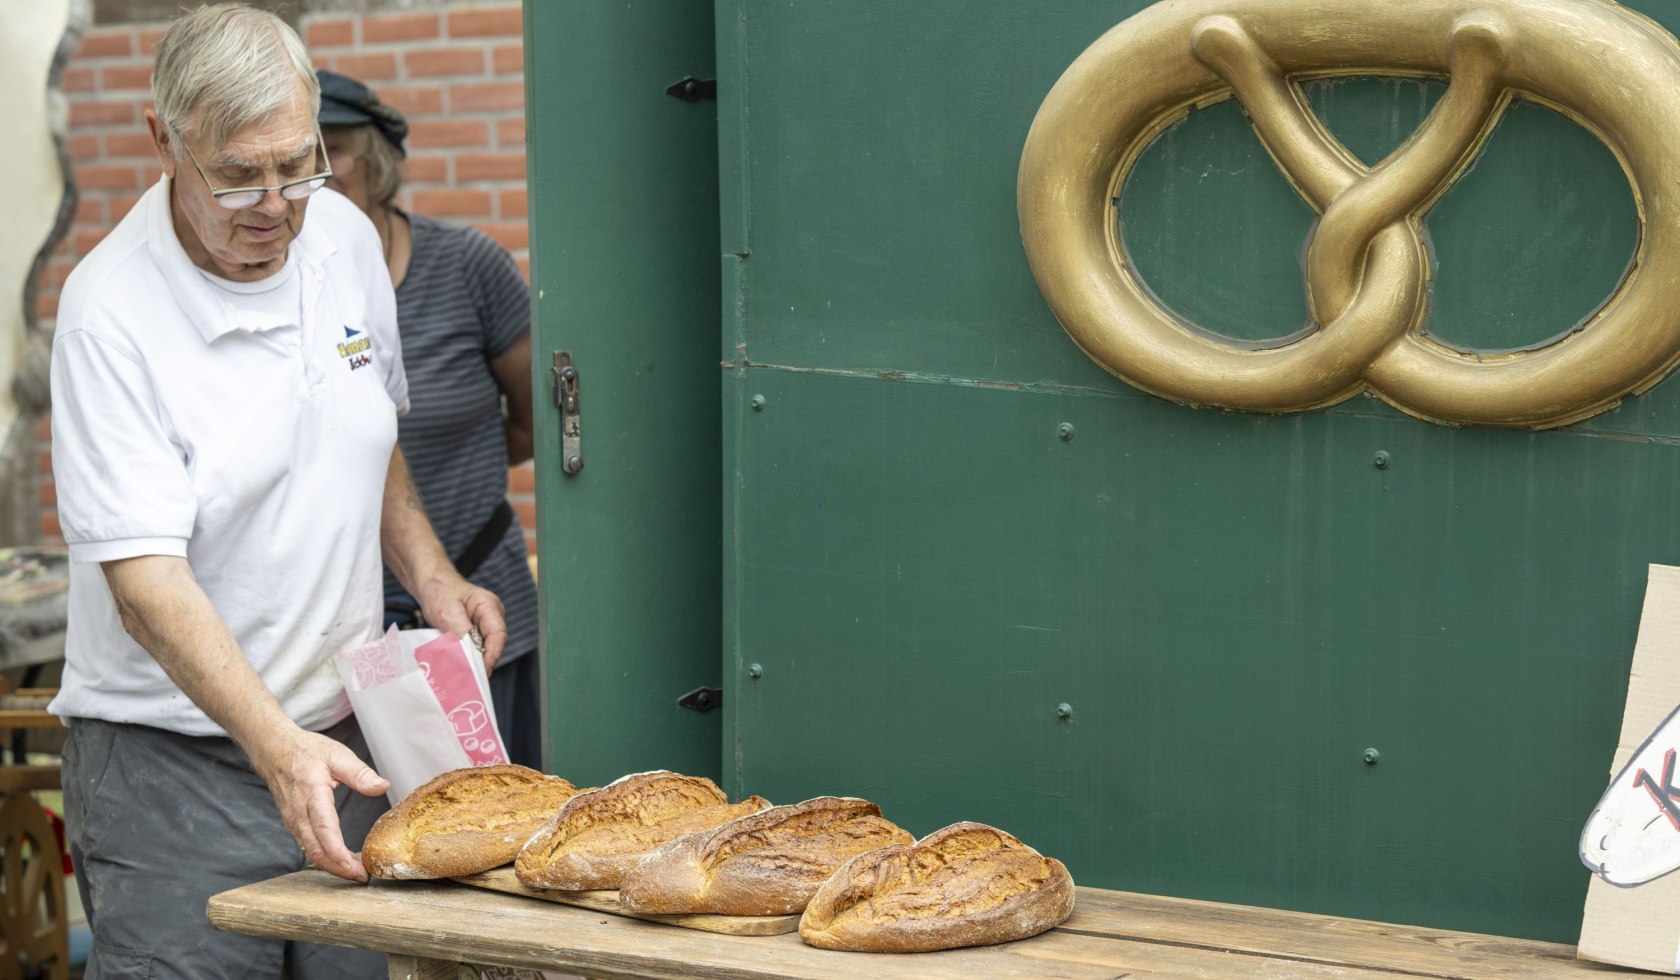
<point x="406" y="539"/>
<point x="167" y="613"/>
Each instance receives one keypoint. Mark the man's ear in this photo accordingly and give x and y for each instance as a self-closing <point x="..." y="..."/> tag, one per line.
<point x="160" y="142"/>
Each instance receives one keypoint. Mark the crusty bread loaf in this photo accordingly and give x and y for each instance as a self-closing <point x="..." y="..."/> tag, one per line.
<point x="463" y="822"/>
<point x="965" y="885"/>
<point x="599" y="835"/>
<point x="769" y="863"/>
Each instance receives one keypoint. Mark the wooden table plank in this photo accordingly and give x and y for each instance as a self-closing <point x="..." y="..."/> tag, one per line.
<point x="1111" y="934"/>
<point x="22" y="779"/>
<point x="1329" y="939"/>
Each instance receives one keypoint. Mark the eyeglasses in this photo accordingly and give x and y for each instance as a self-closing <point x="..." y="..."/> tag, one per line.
<point x="236" y="198"/>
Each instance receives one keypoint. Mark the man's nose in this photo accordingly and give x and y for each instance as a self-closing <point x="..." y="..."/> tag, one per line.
<point x="272" y="204"/>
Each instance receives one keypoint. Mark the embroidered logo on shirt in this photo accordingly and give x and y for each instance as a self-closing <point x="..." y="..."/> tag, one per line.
<point x="355" y="347"/>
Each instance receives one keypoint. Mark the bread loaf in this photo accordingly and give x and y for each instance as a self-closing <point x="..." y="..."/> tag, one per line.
<point x="463" y="822"/>
<point x="769" y="863"/>
<point x="599" y="835"/>
<point x="965" y="885"/>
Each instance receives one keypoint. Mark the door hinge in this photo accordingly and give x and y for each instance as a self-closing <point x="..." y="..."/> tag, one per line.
<point x="566" y="400"/>
<point x="693" y="89"/>
<point x="702" y="699"/>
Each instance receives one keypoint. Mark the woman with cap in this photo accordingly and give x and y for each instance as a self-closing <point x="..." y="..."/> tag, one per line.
<point x="463" y="314"/>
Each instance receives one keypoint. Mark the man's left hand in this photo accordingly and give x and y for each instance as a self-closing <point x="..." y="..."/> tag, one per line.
<point x="457" y="606"/>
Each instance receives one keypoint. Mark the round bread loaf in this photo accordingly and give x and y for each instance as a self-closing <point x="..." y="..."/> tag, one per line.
<point x="463" y="822"/>
<point x="769" y="863"/>
<point x="597" y="836"/>
<point x="964" y="885"/>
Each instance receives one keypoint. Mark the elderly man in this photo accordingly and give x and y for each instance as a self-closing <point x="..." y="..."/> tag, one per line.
<point x="226" y="385"/>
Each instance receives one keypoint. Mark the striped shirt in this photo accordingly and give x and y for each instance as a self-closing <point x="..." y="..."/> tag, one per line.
<point x="463" y="304"/>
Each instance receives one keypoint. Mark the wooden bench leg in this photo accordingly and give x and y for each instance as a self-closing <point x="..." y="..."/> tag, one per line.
<point x="420" y="968"/>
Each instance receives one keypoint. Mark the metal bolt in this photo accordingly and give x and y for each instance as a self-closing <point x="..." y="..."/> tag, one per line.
<point x="1064" y="710"/>
<point x="755" y="671"/>
<point x="1065" y="430"/>
<point x="573" y="464"/>
<point x="757" y="403"/>
<point x="1380" y="460"/>
<point x="1371" y="757"/>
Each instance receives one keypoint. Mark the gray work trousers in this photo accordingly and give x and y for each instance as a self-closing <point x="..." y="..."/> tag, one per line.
<point x="158" y="823"/>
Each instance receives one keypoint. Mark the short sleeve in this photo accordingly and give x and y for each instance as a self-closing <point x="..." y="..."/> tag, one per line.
<point x="500" y="295"/>
<point x="123" y="486"/>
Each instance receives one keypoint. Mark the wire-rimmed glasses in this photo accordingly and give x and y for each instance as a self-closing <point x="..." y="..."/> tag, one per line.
<point x="236" y="198"/>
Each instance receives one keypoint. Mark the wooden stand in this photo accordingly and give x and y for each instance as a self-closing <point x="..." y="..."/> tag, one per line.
<point x="33" y="929"/>
<point x="429" y="929"/>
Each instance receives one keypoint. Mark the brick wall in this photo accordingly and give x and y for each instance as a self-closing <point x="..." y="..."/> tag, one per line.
<point x="455" y="72"/>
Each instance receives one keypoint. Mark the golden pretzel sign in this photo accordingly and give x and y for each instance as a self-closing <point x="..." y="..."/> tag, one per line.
<point x="1367" y="267"/>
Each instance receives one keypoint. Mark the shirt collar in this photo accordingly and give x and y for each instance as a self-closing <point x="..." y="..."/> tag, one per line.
<point x="197" y="296"/>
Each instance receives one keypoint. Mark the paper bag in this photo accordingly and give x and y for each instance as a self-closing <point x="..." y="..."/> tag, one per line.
<point x="423" y="702"/>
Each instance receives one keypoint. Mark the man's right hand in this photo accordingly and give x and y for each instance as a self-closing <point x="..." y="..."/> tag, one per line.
<point x="302" y="770"/>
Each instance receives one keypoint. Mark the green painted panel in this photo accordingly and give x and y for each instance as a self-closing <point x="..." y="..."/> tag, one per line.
<point x="1235" y="606"/>
<point x="625" y="229"/>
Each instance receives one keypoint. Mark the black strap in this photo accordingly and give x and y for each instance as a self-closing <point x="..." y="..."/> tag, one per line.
<point x="407" y="616"/>
<point x="485" y="541"/>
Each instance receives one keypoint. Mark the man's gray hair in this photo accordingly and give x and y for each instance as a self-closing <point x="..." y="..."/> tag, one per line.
<point x="225" y="66"/>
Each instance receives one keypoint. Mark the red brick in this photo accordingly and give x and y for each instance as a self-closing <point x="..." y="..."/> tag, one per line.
<point x="49" y="524"/>
<point x="55" y="273"/>
<point x="426" y="170"/>
<point x="511" y="202"/>
<point x="84" y="146"/>
<point x="77" y="80"/>
<point x="150" y="174"/>
<point x="453" y="202"/>
<point x="49" y="494"/>
<point x="87" y="112"/>
<point x="85" y="239"/>
<point x="485" y="22"/>
<point x="380" y="28"/>
<point x="149" y="38"/>
<point x="90" y="211"/>
<point x="121" y="205"/>
<point x="449" y="132"/>
<point x="510" y="132"/>
<point x="107" y="177"/>
<point x="486" y="96"/>
<point x="131" y="145"/>
<point x="432" y="62"/>
<point x="119" y="78"/>
<point x="527" y="511"/>
<point x="522" y="479"/>
<point x="510" y="235"/>
<point x="43" y="428"/>
<point x="368" y="67"/>
<point x="43" y="462"/>
<point x="332" y="32"/>
<point x="115" y="42"/>
<point x="524" y="266"/>
<point x="321" y="62"/>
<point x="530" y="544"/>
<point x="414" y="100"/>
<point x="508" y="59"/>
<point x="46" y="305"/>
<point x="489" y="166"/>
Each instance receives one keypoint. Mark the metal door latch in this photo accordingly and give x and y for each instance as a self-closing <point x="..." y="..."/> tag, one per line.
<point x="692" y="89"/>
<point x="566" y="400"/>
<point x="702" y="699"/>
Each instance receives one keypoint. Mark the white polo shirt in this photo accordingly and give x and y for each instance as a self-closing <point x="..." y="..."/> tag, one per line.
<point x="190" y="421"/>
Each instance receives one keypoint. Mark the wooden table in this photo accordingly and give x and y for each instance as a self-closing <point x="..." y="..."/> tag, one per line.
<point x="429" y="928"/>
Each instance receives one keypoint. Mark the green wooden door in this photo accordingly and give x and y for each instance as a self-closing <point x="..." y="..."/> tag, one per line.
<point x="625" y="275"/>
<point x="1345" y="661"/>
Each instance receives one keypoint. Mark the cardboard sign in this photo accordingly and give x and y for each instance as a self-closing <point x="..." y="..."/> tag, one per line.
<point x="1632" y="838"/>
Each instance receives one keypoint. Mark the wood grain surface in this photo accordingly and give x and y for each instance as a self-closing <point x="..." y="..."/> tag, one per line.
<point x="503" y="880"/>
<point x="1110" y="935"/>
